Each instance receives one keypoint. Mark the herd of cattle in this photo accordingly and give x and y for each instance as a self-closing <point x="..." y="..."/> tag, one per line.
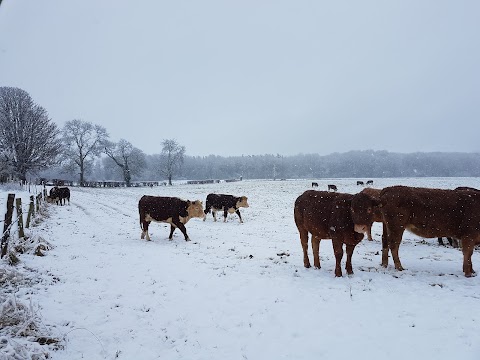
<point x="426" y="212"/>
<point x="177" y="212"/>
<point x="344" y="218"/>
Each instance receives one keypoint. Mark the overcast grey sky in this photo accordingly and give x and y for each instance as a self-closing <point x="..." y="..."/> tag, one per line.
<point x="253" y="77"/>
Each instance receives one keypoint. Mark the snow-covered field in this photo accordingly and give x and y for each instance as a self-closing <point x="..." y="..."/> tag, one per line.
<point x="240" y="291"/>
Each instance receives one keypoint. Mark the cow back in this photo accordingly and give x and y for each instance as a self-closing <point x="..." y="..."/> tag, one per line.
<point x="161" y="208"/>
<point x="429" y="212"/>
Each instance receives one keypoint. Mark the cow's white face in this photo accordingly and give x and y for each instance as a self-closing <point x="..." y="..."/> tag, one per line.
<point x="195" y="209"/>
<point x="242" y="202"/>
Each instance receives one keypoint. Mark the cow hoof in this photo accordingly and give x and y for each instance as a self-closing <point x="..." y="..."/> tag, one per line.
<point x="307" y="266"/>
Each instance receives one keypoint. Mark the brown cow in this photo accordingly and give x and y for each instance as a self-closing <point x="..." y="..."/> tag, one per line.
<point x="377" y="215"/>
<point x="425" y="212"/>
<point x="326" y="215"/>
<point x="170" y="210"/>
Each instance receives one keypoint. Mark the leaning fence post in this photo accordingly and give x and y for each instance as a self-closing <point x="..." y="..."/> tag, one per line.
<point x="6" y="225"/>
<point x="21" y="233"/>
<point x="31" y="212"/>
<point x="38" y="205"/>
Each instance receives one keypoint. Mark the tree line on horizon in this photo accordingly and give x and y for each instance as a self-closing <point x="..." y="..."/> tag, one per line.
<point x="32" y="146"/>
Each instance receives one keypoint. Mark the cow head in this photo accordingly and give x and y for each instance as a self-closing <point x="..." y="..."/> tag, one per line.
<point x="363" y="209"/>
<point x="242" y="202"/>
<point x="195" y="209"/>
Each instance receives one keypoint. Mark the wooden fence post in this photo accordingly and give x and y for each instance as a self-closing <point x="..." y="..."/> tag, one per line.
<point x="21" y="233"/>
<point x="6" y="225"/>
<point x="38" y="203"/>
<point x="31" y="212"/>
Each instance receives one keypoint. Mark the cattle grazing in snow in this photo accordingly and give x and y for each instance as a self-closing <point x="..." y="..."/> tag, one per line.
<point x="326" y="215"/>
<point x="360" y="183"/>
<point x="369" y="182"/>
<point x="59" y="195"/>
<point x="227" y="203"/>
<point x="171" y="210"/>
<point x="332" y="187"/>
<point x="314" y="184"/>
<point x="425" y="212"/>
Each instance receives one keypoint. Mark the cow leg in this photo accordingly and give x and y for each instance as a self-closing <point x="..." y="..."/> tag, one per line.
<point x="225" y="213"/>
<point x="394" y="240"/>
<point x="145" y="230"/>
<point x="214" y="214"/>
<point x="467" y="250"/>
<point x="172" y="229"/>
<point x="316" y="251"/>
<point x="384" y="247"/>
<point x="348" y="265"/>
<point x="239" y="216"/>
<point x="369" y="233"/>
<point x="338" y="251"/>
<point x="304" y="242"/>
<point x="182" y="228"/>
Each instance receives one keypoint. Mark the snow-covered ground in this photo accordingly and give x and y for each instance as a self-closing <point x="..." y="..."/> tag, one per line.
<point x="240" y="291"/>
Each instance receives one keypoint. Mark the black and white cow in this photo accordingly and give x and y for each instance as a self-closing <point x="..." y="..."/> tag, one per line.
<point x="227" y="203"/>
<point x="59" y="195"/>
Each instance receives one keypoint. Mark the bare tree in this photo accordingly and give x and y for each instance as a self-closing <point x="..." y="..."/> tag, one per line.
<point x="172" y="157"/>
<point x="130" y="159"/>
<point x="28" y="138"/>
<point x="83" y="142"/>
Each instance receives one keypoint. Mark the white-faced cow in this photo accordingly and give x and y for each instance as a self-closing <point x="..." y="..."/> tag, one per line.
<point x="227" y="203"/>
<point x="171" y="210"/>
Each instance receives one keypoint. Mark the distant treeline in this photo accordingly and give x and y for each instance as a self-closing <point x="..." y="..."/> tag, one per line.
<point x="353" y="164"/>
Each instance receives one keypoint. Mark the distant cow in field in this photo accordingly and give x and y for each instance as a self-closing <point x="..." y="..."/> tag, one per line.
<point x="370" y="182"/>
<point x="314" y="184"/>
<point x="326" y="215"/>
<point x="425" y="212"/>
<point x="171" y="210"/>
<point x="360" y="183"/>
<point x="332" y="187"/>
<point x="227" y="203"/>
<point x="452" y="242"/>
<point x="59" y="195"/>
